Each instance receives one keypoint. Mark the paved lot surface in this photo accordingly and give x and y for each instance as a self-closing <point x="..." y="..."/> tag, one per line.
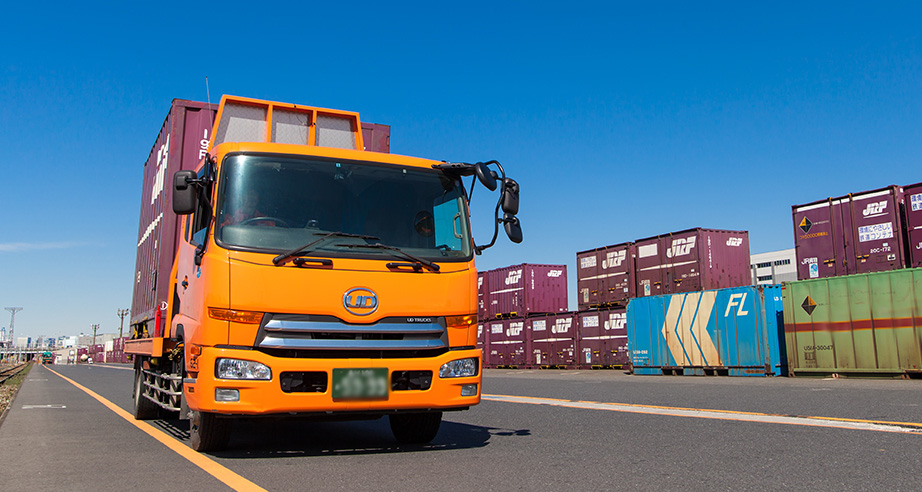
<point x="57" y="436"/>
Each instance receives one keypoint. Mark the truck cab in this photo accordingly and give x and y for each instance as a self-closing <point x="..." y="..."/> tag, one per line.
<point x="312" y="278"/>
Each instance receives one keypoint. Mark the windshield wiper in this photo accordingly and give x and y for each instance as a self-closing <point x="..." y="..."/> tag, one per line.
<point x="417" y="262"/>
<point x="284" y="257"/>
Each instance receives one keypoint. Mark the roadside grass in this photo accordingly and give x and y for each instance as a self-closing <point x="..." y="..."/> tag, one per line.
<point x="8" y="390"/>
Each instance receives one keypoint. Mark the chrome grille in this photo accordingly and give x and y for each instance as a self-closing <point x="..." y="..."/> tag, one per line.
<point x="294" y="332"/>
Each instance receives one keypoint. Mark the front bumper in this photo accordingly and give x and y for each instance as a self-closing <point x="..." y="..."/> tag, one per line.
<point x="267" y="397"/>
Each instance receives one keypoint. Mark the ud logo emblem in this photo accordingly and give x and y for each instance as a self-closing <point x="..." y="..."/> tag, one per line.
<point x="360" y="301"/>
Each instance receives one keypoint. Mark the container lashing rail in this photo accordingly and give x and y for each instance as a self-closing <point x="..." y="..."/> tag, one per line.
<point x="163" y="389"/>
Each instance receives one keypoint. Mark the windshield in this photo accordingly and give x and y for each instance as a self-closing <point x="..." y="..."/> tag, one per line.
<point x="276" y="204"/>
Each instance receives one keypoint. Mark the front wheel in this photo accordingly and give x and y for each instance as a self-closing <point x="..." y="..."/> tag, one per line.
<point x="207" y="432"/>
<point x="415" y="428"/>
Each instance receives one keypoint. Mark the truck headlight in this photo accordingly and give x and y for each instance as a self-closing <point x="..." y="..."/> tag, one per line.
<point x="241" y="369"/>
<point x="460" y="368"/>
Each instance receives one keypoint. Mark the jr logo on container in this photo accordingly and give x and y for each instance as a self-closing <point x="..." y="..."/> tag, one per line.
<point x="562" y="325"/>
<point x="875" y="209"/>
<point x="616" y="321"/>
<point x="681" y="247"/>
<point x="613" y="259"/>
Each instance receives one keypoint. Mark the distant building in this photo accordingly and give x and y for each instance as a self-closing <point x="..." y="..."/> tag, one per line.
<point x="774" y="267"/>
<point x="66" y="342"/>
<point x="101" y="338"/>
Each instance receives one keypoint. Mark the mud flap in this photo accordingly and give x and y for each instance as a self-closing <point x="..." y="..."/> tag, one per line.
<point x="184" y="412"/>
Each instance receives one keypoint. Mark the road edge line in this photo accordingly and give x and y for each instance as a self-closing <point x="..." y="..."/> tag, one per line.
<point x="209" y="466"/>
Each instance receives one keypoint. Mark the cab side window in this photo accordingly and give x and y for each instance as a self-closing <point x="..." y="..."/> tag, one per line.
<point x="202" y="216"/>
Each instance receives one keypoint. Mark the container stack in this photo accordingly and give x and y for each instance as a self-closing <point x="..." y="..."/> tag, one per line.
<point x="611" y="277"/>
<point x="507" y="298"/>
<point x="854" y="309"/>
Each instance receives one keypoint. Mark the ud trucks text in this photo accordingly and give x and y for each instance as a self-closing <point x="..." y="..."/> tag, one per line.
<point x="308" y="276"/>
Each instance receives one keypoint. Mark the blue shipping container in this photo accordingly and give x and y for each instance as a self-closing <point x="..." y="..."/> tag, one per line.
<point x="737" y="332"/>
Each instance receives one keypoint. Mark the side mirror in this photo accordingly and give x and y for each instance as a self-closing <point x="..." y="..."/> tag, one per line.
<point x="183" y="193"/>
<point x="510" y="196"/>
<point x="485" y="175"/>
<point x="513" y="228"/>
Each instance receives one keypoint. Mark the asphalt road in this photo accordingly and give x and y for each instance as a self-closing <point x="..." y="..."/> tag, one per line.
<point x="57" y="437"/>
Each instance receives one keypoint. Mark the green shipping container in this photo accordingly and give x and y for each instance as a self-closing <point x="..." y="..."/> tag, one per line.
<point x="857" y="324"/>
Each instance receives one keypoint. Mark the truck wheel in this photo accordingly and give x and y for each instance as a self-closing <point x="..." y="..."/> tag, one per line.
<point x="415" y="428"/>
<point x="207" y="432"/>
<point x="144" y="409"/>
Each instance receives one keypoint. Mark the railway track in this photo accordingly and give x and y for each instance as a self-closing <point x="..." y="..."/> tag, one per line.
<point x="8" y="372"/>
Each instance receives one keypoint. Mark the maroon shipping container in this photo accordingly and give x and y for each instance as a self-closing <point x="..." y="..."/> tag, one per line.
<point x="483" y="288"/>
<point x="691" y="260"/>
<point x="602" y="338"/>
<point x="520" y="290"/>
<point x="856" y="233"/>
<point x="508" y="343"/>
<point x="912" y="227"/>
<point x="181" y="144"/>
<point x="552" y="340"/>
<point x="377" y="138"/>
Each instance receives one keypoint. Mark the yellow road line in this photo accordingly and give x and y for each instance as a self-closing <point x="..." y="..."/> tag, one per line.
<point x="208" y="465"/>
<point x="732" y="415"/>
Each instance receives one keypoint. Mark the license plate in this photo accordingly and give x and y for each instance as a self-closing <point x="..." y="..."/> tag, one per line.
<point x="356" y="384"/>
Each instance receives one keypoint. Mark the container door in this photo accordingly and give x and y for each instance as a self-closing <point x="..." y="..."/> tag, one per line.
<point x="538" y="333"/>
<point x="590" y="347"/>
<point x="682" y="263"/>
<point x="645" y="327"/>
<point x="614" y="337"/>
<point x="562" y="338"/>
<point x="876" y="231"/>
<point x="496" y="343"/>
<point x="507" y="291"/>
<point x="587" y="278"/>
<point x="515" y="334"/>
<point x="648" y="267"/>
<point x="912" y="205"/>
<point x="617" y="275"/>
<point x="818" y="242"/>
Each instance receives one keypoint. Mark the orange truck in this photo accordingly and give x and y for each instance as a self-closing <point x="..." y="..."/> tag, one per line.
<point x="310" y="277"/>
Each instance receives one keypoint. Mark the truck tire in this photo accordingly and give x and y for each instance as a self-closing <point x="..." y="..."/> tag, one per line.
<point x="415" y="428"/>
<point x="207" y="432"/>
<point x="144" y="409"/>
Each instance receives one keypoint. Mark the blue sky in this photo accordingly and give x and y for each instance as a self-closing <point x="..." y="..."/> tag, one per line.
<point x="619" y="120"/>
